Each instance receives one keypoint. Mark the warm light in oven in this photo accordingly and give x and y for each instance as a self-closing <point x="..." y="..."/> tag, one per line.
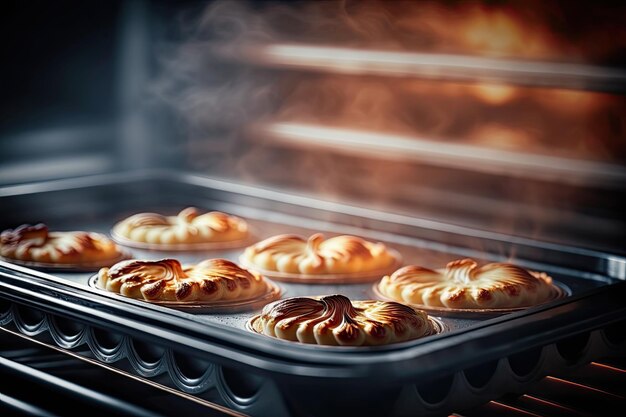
<point x="549" y="403"/>
<point x="582" y="386"/>
<point x="433" y="151"/>
<point x="612" y="368"/>
<point x="515" y="409"/>
<point x="496" y="94"/>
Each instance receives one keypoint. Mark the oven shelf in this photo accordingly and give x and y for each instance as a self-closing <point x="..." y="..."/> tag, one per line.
<point x="430" y="66"/>
<point x="473" y="158"/>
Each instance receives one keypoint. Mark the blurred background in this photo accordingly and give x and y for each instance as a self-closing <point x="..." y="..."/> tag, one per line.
<point x="506" y="116"/>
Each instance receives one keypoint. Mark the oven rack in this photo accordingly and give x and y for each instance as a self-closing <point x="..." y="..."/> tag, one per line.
<point x="409" y="64"/>
<point x="250" y="394"/>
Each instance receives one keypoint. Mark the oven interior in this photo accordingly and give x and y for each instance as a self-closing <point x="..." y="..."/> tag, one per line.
<point x="498" y="129"/>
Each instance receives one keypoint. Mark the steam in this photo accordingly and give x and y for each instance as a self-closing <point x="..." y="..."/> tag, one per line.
<point x="224" y="93"/>
<point x="217" y="82"/>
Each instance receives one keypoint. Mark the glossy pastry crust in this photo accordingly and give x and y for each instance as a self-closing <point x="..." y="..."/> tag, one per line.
<point x="335" y="320"/>
<point x="190" y="226"/>
<point x="316" y="255"/>
<point x="465" y="285"/>
<point x="167" y="280"/>
<point x="35" y="243"/>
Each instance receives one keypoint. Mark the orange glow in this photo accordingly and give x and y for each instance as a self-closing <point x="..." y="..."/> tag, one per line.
<point x="407" y="147"/>
<point x="612" y="368"/>
<point x="586" y="387"/>
<point x="499" y="32"/>
<point x="572" y="124"/>
<point x="370" y="65"/>
<point x="550" y="403"/>
<point x="518" y="410"/>
<point x="496" y="94"/>
<point x="413" y="88"/>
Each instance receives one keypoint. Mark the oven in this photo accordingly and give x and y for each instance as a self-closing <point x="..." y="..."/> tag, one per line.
<point x="447" y="130"/>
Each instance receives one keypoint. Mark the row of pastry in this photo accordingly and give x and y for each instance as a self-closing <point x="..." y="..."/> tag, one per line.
<point x="404" y="291"/>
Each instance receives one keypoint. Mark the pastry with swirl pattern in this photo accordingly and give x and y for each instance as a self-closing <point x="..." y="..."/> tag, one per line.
<point x="465" y="285"/>
<point x="318" y="256"/>
<point x="209" y="281"/>
<point x="189" y="227"/>
<point x="36" y="243"/>
<point x="335" y="320"/>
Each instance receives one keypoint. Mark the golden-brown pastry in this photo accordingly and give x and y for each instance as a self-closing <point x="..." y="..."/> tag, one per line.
<point x="464" y="285"/>
<point x="35" y="243"/>
<point x="166" y="280"/>
<point x="337" y="255"/>
<point x="335" y="320"/>
<point x="188" y="227"/>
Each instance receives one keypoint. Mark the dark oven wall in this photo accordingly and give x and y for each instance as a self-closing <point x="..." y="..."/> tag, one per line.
<point x="75" y="79"/>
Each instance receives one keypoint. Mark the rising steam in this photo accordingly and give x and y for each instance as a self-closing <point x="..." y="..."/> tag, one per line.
<point x="244" y="70"/>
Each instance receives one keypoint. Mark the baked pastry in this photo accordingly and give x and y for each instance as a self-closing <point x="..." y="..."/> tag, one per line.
<point x="464" y="285"/>
<point x="167" y="280"/>
<point x="188" y="227"/>
<point x="337" y="255"/>
<point x="35" y="243"/>
<point x="335" y="320"/>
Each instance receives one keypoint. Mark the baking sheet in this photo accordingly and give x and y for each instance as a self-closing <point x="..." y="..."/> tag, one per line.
<point x="264" y="228"/>
<point x="98" y="204"/>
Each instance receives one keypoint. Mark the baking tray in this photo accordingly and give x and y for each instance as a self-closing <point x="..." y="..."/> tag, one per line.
<point x="113" y="326"/>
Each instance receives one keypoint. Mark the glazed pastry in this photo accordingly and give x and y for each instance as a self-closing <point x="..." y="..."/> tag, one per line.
<point x="337" y="255"/>
<point x="35" y="243"/>
<point x="188" y="227"/>
<point x="464" y="285"/>
<point x="167" y="280"/>
<point x="335" y="320"/>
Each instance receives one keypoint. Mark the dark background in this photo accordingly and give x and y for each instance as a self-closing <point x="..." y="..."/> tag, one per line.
<point x="60" y="62"/>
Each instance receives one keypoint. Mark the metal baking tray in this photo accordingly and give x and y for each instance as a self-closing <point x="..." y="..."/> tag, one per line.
<point x="214" y="355"/>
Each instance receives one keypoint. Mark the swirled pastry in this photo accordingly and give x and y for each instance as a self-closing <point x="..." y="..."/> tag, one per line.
<point x="35" y="243"/>
<point x="167" y="280"/>
<point x="335" y="320"/>
<point x="337" y="255"/>
<point x="188" y="227"/>
<point x="464" y="285"/>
